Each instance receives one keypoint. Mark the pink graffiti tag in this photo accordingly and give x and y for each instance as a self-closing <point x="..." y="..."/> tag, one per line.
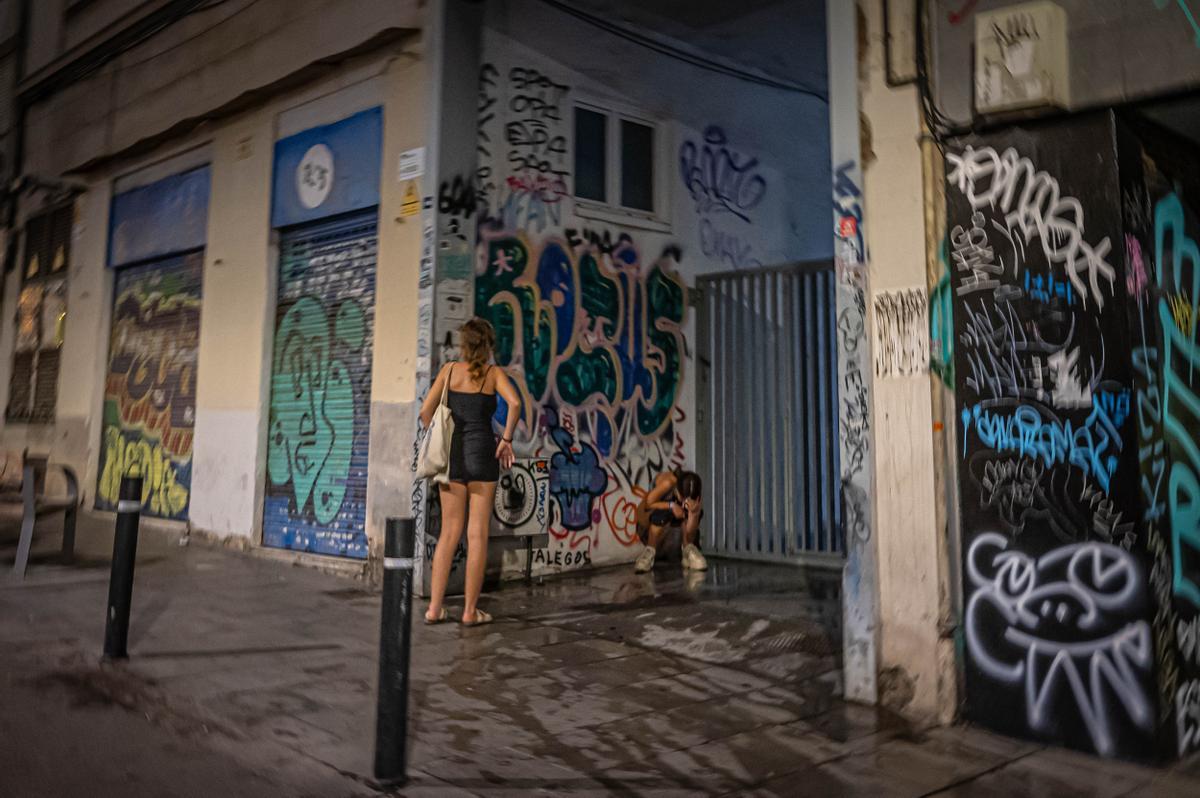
<point x="1136" y="280"/>
<point x="957" y="17"/>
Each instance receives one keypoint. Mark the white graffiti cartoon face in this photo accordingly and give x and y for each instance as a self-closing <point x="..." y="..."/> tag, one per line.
<point x="1066" y="621"/>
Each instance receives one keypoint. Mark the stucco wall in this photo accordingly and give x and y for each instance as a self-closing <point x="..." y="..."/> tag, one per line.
<point x="905" y="517"/>
<point x="202" y="63"/>
<point x="237" y="321"/>
<point x="1118" y="50"/>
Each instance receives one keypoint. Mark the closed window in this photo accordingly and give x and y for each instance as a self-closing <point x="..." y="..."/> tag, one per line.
<point x="591" y="155"/>
<point x="41" y="317"/>
<point x="617" y="164"/>
<point x="637" y="166"/>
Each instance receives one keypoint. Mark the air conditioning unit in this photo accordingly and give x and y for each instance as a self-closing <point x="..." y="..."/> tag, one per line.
<point x="1021" y="58"/>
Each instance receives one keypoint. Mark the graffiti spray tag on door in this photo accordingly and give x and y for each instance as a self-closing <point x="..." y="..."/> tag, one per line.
<point x="150" y="388"/>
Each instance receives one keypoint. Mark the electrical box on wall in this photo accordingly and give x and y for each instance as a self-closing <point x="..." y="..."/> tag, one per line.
<point x="1021" y="58"/>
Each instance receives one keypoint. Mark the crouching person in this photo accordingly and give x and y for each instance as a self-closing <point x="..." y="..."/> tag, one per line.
<point x="673" y="503"/>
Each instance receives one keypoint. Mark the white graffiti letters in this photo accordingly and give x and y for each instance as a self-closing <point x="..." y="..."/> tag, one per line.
<point x="987" y="178"/>
<point x="1187" y="716"/>
<point x="1188" y="634"/>
<point x="1061" y="621"/>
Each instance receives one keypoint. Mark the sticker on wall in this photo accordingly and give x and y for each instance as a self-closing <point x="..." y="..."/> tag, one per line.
<point x="521" y="500"/>
<point x="412" y="164"/>
<point x="454" y="301"/>
<point x="314" y="176"/>
<point x="902" y="333"/>
<point x="456" y="266"/>
<point x="411" y="205"/>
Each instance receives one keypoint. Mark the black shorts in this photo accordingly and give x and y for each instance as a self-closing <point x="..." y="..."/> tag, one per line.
<point x="663" y="518"/>
<point x="668" y="518"/>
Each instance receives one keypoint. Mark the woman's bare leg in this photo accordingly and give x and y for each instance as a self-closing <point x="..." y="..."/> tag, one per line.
<point x="454" y="511"/>
<point x="482" y="498"/>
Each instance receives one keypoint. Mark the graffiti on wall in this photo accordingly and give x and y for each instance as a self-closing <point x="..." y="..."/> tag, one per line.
<point x="535" y="169"/>
<point x="1039" y="214"/>
<point x="311" y="435"/>
<point x="1072" y="632"/>
<point x="941" y="323"/>
<point x="589" y="327"/>
<point x="150" y="387"/>
<point x="1060" y="639"/>
<point x="1188" y="14"/>
<point x="901" y="338"/>
<point x="854" y="426"/>
<point x="848" y="211"/>
<point x="1177" y="262"/>
<point x="593" y="339"/>
<point x="726" y="187"/>
<point x="1163" y="272"/>
<point x="320" y="387"/>
<point x="523" y="496"/>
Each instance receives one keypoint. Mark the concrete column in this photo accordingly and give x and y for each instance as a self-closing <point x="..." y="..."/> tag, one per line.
<point x="907" y="532"/>
<point x="452" y="45"/>
<point x="229" y="456"/>
<point x="394" y="377"/>
<point x="85" y="343"/>
<point x="860" y="579"/>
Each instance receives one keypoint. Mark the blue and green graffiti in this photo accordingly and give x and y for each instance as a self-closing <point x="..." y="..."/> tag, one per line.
<point x="941" y="324"/>
<point x="585" y="334"/>
<point x="312" y="404"/>
<point x="1187" y="12"/>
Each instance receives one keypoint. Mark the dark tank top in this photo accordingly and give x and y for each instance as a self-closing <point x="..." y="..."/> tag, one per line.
<point x="473" y="411"/>
<point x="473" y="445"/>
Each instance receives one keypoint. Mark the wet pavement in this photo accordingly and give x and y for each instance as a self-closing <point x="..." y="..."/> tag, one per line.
<point x="250" y="677"/>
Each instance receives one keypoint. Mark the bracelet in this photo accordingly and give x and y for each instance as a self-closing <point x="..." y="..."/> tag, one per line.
<point x="507" y="440"/>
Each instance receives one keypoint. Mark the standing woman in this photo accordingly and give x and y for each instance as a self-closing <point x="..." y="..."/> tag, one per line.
<point x="475" y="461"/>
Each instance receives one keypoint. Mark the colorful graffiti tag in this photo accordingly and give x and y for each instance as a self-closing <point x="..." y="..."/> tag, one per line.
<point x="1060" y="641"/>
<point x="150" y="388"/>
<point x="583" y="326"/>
<point x="312" y="404"/>
<point x="320" y="388"/>
<point x="1177" y="260"/>
<point x="1188" y="15"/>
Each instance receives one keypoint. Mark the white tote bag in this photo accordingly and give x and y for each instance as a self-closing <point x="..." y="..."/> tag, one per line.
<point x="433" y="461"/>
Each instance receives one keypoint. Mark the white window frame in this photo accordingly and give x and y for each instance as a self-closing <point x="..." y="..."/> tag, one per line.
<point x="611" y="211"/>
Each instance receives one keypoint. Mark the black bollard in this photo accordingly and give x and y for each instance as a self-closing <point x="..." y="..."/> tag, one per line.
<point x="395" y="642"/>
<point x="120" y="583"/>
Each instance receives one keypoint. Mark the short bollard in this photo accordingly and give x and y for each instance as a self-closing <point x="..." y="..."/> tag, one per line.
<point x="120" y="583"/>
<point x="395" y="641"/>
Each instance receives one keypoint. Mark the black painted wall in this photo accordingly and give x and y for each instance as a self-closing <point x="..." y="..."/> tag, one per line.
<point x="1160" y="195"/>
<point x="1059" y="608"/>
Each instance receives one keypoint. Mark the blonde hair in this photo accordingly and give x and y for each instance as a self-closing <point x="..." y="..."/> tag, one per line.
<point x="477" y="340"/>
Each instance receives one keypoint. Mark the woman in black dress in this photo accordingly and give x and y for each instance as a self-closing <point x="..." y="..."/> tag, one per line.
<point x="475" y="461"/>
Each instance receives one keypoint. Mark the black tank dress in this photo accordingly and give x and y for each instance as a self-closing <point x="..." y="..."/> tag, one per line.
<point x="473" y="445"/>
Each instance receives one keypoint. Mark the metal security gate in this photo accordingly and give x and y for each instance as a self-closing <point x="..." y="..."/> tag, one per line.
<point x="316" y="496"/>
<point x="150" y="385"/>
<point x="767" y="414"/>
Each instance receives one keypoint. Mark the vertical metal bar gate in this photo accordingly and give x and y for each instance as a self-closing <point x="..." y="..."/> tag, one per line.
<point x="767" y="414"/>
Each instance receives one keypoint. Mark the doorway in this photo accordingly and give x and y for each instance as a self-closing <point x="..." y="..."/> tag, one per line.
<point x="767" y="414"/>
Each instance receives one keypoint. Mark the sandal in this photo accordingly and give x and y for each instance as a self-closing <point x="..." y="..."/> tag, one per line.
<point x="442" y="617"/>
<point x="481" y="618"/>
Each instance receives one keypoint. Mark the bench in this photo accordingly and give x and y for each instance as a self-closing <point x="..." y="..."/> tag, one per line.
<point x="23" y="480"/>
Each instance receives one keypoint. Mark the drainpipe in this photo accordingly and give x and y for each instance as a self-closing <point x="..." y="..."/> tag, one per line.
<point x="941" y="388"/>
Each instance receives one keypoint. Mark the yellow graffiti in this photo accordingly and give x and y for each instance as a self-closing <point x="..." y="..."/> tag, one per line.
<point x="161" y="494"/>
<point x="1184" y="313"/>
